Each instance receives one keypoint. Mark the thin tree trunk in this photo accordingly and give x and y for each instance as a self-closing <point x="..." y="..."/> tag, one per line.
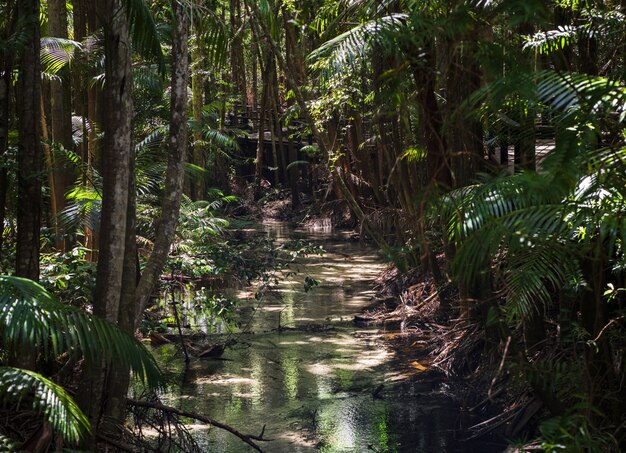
<point x="60" y="117"/>
<point x="177" y="145"/>
<point x="198" y="154"/>
<point x="237" y="62"/>
<point x="258" y="167"/>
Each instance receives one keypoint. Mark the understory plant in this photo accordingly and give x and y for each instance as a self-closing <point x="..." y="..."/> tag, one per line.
<point x="39" y="332"/>
<point x="539" y="258"/>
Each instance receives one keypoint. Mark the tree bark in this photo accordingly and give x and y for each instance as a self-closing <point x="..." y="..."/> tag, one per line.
<point x="116" y="154"/>
<point x="60" y="118"/>
<point x="174" y="178"/>
<point x="29" y="159"/>
<point x="198" y="188"/>
<point x="6" y="69"/>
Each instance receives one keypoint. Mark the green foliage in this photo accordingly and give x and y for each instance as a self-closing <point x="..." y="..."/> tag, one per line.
<point x="574" y="433"/>
<point x="57" y="53"/>
<point x="70" y="276"/>
<point x="19" y="388"/>
<point x="144" y="33"/>
<point x="346" y="49"/>
<point x="30" y="316"/>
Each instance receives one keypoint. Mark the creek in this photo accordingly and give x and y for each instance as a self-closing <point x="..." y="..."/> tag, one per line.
<point x="319" y="383"/>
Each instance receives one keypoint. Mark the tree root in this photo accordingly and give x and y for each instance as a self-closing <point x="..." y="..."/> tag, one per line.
<point x="247" y="438"/>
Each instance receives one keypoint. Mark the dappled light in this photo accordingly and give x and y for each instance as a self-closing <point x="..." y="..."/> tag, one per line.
<point x="314" y="378"/>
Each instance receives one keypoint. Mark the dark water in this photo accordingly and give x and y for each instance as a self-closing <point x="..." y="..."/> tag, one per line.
<point x="317" y="388"/>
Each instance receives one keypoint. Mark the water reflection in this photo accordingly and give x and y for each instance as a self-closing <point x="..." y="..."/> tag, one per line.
<point x="314" y="389"/>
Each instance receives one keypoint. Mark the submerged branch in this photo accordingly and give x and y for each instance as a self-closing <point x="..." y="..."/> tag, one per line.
<point x="247" y="438"/>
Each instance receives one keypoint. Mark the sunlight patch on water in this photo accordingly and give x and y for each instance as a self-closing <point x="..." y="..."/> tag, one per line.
<point x="313" y="389"/>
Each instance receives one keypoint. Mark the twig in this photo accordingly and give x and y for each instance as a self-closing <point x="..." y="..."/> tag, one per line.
<point x="607" y="326"/>
<point x="493" y="381"/>
<point x="247" y="438"/>
<point x="180" y="331"/>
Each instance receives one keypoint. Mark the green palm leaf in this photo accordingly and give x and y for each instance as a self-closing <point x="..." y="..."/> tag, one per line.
<point x="56" y="53"/>
<point x="17" y="387"/>
<point x="144" y="32"/>
<point x="30" y="315"/>
<point x="344" y="50"/>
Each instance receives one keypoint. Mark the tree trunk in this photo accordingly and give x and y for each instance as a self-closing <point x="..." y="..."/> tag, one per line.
<point x="60" y="117"/>
<point x="6" y="69"/>
<point x="237" y="62"/>
<point x="29" y="159"/>
<point x="117" y="154"/>
<point x="118" y="378"/>
<point x="263" y="110"/>
<point x="198" y="191"/>
<point x="177" y="145"/>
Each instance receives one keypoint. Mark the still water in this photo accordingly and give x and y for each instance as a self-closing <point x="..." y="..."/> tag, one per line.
<point x="319" y="383"/>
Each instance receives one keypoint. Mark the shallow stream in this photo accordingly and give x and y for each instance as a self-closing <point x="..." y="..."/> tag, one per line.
<point x="321" y="384"/>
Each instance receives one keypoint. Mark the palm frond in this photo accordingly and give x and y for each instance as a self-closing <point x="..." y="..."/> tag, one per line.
<point x="82" y="210"/>
<point x="552" y="40"/>
<point x="144" y="32"/>
<point x="344" y="50"/>
<point x="56" y="53"/>
<point x="30" y="315"/>
<point x="49" y="399"/>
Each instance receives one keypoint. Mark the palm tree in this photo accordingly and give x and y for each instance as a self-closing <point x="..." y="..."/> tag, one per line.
<point x="553" y="240"/>
<point x="31" y="317"/>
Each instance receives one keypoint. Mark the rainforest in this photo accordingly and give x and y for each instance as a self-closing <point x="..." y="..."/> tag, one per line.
<point x="317" y="225"/>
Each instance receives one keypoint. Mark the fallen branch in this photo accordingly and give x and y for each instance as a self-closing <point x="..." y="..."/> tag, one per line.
<point x="247" y="438"/>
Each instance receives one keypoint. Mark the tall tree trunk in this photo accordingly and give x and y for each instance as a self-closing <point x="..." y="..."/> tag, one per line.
<point x="237" y="62"/>
<point x="60" y="117"/>
<point x="29" y="159"/>
<point x="117" y="154"/>
<point x="198" y="188"/>
<point x="263" y="110"/>
<point x="85" y="21"/>
<point x="293" y="56"/>
<point x="6" y="70"/>
<point x="177" y="146"/>
<point x="118" y="378"/>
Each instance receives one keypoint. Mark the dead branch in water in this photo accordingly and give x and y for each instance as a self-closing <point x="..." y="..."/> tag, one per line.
<point x="247" y="438"/>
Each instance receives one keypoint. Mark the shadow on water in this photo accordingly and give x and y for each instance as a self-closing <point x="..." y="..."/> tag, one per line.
<point x="334" y="388"/>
